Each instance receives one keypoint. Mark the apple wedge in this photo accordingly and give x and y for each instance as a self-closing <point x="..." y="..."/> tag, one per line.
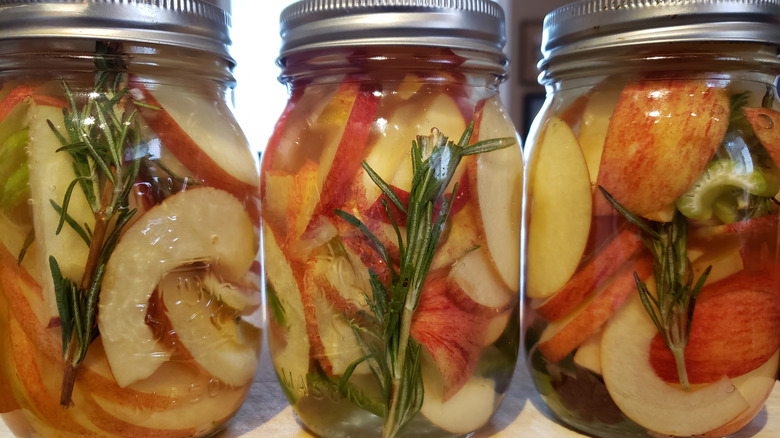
<point x="303" y="198"/>
<point x="766" y="125"/>
<point x="204" y="314"/>
<point x="21" y="93"/>
<point x="451" y="335"/>
<point x="466" y="411"/>
<point x="644" y="397"/>
<point x="588" y="354"/>
<point x="755" y="237"/>
<point x="498" y="177"/>
<point x="290" y="351"/>
<point x="735" y="329"/>
<point x="40" y="385"/>
<point x="661" y="137"/>
<point x="201" y="133"/>
<point x="563" y="336"/>
<point x="594" y="125"/>
<point x="476" y="276"/>
<point x="464" y="234"/>
<point x="755" y="387"/>
<point x="51" y="173"/>
<point x="560" y="210"/>
<point x="347" y="122"/>
<point x="333" y="293"/>
<point x="202" y="225"/>
<point x="442" y="113"/>
<point x="392" y="148"/>
<point x="587" y="279"/>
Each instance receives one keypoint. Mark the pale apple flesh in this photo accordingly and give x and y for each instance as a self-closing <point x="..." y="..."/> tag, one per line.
<point x="203" y="225"/>
<point x="559" y="207"/>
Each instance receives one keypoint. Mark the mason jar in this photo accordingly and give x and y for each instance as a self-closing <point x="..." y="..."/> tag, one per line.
<point x="651" y="292"/>
<point x="130" y="300"/>
<point x="391" y="193"/>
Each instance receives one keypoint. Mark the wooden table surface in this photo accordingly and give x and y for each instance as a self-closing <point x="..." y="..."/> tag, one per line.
<point x="522" y="414"/>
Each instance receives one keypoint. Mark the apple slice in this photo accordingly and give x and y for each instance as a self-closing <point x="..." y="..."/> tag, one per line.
<point x="766" y="125"/>
<point x="392" y="147"/>
<point x="601" y="267"/>
<point x="734" y="330"/>
<point x="198" y="417"/>
<point x="289" y="351"/>
<point x="333" y="292"/>
<point x="755" y="387"/>
<point x="21" y="93"/>
<point x="302" y="200"/>
<point x="755" y="238"/>
<point x="594" y="125"/>
<point x="466" y="411"/>
<point x="464" y="234"/>
<point x="476" y="276"/>
<point x="51" y="173"/>
<point x="560" y="210"/>
<point x="452" y="335"/>
<point x="561" y="337"/>
<point x="499" y="185"/>
<point x="644" y="397"/>
<point x="198" y="306"/>
<point x="588" y="354"/>
<point x="204" y="225"/>
<point x="349" y="119"/>
<point x="444" y="114"/>
<point x="661" y="137"/>
<point x="201" y="133"/>
<point x="41" y="391"/>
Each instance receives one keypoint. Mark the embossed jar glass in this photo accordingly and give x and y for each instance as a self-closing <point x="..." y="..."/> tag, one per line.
<point x="651" y="292"/>
<point x="130" y="300"/>
<point x="391" y="218"/>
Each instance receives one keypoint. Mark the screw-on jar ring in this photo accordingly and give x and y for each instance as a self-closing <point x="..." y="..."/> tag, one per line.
<point x="590" y="25"/>
<point x="458" y="24"/>
<point x="195" y="24"/>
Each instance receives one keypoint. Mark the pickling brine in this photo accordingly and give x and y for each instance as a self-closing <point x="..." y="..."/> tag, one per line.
<point x="652" y="304"/>
<point x="130" y="300"/>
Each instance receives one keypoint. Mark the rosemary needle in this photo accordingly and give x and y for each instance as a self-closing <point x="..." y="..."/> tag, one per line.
<point x="393" y="356"/>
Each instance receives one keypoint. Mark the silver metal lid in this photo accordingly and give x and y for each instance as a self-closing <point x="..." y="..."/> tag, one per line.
<point x="596" y="24"/>
<point x="458" y="24"/>
<point x="197" y="24"/>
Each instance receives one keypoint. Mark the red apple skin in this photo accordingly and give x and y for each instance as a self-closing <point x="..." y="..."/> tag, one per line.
<point x="660" y="138"/>
<point x="336" y="190"/>
<point x="589" y="277"/>
<point x="766" y="125"/>
<point x="595" y="314"/>
<point x="452" y="335"/>
<point x="185" y="149"/>
<point x="757" y="239"/>
<point x="276" y="137"/>
<point x="735" y="329"/>
<point x="39" y="398"/>
<point x="22" y="92"/>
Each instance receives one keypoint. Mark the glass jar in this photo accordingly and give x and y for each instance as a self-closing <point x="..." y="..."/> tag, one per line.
<point x="651" y="292"/>
<point x="391" y="218"/>
<point x="130" y="300"/>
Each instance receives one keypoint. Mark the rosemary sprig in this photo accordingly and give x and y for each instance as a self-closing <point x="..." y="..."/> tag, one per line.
<point x="99" y="137"/>
<point x="384" y="334"/>
<point x="671" y="308"/>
